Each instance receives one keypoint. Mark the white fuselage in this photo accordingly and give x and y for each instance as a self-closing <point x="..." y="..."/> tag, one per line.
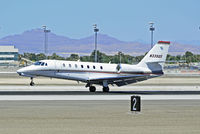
<point x="81" y="71"/>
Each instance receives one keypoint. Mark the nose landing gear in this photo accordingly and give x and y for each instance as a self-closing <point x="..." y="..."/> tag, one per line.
<point x="32" y="83"/>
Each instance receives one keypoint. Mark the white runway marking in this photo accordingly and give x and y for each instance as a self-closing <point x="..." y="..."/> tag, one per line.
<point x="96" y="97"/>
<point x="8" y="72"/>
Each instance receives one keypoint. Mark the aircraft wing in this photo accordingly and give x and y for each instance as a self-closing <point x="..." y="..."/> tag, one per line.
<point x="119" y="80"/>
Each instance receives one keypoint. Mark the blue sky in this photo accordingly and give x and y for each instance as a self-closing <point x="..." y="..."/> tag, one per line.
<point x="126" y="20"/>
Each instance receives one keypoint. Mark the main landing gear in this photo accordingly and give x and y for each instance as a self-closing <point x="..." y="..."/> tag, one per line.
<point x="106" y="89"/>
<point x="92" y="88"/>
<point x="32" y="83"/>
<point x="105" y="86"/>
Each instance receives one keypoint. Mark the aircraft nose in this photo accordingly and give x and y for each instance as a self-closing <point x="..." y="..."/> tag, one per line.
<point x="20" y="71"/>
<point x="23" y="71"/>
<point x="26" y="71"/>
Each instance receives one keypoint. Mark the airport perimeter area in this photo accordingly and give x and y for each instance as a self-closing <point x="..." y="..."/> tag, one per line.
<point x="169" y="105"/>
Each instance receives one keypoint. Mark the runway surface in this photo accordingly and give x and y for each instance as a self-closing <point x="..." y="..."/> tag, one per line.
<point x="81" y="93"/>
<point x="107" y="117"/>
<point x="169" y="105"/>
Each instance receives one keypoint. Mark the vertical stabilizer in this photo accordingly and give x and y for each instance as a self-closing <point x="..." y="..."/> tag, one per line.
<point x="155" y="58"/>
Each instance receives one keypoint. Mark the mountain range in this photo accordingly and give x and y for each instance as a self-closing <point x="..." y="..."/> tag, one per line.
<point x="33" y="41"/>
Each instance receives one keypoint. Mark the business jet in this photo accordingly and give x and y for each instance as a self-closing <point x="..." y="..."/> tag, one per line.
<point x="103" y="74"/>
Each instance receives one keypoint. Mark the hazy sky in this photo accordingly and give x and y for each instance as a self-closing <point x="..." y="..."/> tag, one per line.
<point x="126" y="20"/>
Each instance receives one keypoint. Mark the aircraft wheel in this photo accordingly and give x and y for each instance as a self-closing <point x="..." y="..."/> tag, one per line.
<point x="105" y="89"/>
<point x="92" y="88"/>
<point x="32" y="83"/>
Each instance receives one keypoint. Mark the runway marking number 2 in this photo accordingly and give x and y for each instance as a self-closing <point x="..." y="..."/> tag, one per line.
<point x="134" y="104"/>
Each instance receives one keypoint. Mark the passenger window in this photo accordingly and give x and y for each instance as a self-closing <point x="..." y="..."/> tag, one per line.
<point x="93" y="67"/>
<point x="42" y="64"/>
<point x="63" y="64"/>
<point x="101" y="67"/>
<point x="45" y="64"/>
<point x="81" y="66"/>
<point x="70" y="65"/>
<point x="88" y="66"/>
<point x="76" y="66"/>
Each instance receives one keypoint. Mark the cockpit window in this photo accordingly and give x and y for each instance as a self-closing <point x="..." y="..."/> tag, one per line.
<point x="37" y="63"/>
